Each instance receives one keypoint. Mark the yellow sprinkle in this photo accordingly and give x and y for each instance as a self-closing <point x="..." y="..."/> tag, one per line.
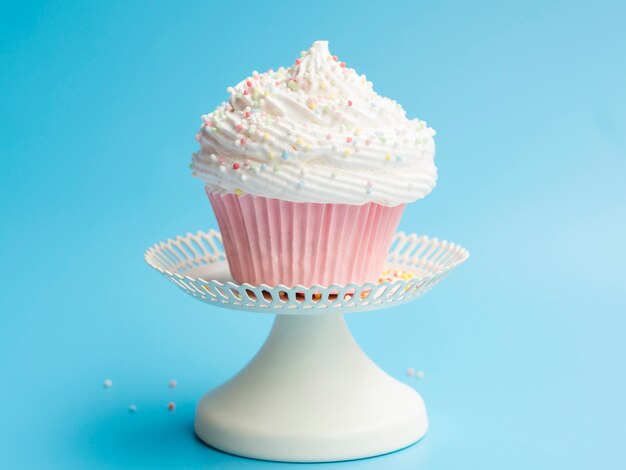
<point x="272" y="154"/>
<point x="266" y="136"/>
<point x="312" y="105"/>
<point x="307" y="146"/>
<point x="267" y="93"/>
<point x="346" y="153"/>
<point x="357" y="131"/>
<point x="238" y="192"/>
<point x="388" y="156"/>
<point x="300" y="141"/>
<point x="323" y="85"/>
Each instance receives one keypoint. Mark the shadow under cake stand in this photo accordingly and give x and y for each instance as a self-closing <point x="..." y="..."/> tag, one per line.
<point x="310" y="394"/>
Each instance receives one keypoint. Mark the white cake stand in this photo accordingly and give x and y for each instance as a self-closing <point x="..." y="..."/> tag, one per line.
<point x="310" y="394"/>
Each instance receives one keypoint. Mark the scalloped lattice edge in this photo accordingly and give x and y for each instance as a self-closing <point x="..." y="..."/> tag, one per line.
<point x="434" y="257"/>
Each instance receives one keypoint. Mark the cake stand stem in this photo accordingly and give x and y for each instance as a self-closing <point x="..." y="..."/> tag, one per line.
<point x="311" y="395"/>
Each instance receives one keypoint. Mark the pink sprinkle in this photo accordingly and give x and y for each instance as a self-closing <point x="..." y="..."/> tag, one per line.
<point x="198" y="137"/>
<point x="298" y="61"/>
<point x="247" y="113"/>
<point x="349" y="103"/>
<point x="235" y="166"/>
<point x="348" y="139"/>
<point x="335" y="58"/>
<point x="249" y="83"/>
<point x="243" y="141"/>
<point x="239" y="127"/>
<point x="368" y="141"/>
<point x="342" y="64"/>
<point x="370" y="183"/>
<point x="328" y="136"/>
<point x="245" y="92"/>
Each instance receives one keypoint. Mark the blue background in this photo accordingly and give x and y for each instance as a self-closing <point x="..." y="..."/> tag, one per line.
<point x="523" y="346"/>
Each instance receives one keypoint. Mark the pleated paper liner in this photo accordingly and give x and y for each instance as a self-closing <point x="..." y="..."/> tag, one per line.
<point x="270" y="241"/>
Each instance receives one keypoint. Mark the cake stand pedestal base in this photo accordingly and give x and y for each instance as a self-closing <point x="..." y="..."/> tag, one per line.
<point x="311" y="395"/>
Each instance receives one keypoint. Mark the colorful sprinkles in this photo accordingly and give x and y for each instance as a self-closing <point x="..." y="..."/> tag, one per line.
<point x="393" y="275"/>
<point x="256" y="125"/>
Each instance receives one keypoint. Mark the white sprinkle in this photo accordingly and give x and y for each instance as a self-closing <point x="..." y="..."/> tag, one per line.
<point x="243" y="177"/>
<point x="213" y="157"/>
<point x="132" y="408"/>
<point x="222" y="169"/>
<point x="419" y="374"/>
<point x="108" y="383"/>
<point x="172" y="383"/>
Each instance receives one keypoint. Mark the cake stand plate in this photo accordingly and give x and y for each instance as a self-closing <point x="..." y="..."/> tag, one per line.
<point x="310" y="394"/>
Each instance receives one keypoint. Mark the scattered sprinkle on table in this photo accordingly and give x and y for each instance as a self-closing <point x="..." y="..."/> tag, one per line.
<point x="172" y="383"/>
<point x="419" y="374"/>
<point x="108" y="383"/>
<point x="132" y="408"/>
<point x="171" y="406"/>
<point x="410" y="372"/>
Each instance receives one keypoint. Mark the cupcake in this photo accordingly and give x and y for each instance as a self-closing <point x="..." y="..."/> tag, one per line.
<point x="308" y="171"/>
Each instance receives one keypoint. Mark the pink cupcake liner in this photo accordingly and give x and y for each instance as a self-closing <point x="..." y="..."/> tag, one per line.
<point x="270" y="241"/>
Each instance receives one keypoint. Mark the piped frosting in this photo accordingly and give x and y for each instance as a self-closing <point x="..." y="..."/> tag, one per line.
<point x="315" y="132"/>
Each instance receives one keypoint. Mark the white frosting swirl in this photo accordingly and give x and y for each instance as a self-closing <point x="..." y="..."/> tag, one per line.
<point x="315" y="132"/>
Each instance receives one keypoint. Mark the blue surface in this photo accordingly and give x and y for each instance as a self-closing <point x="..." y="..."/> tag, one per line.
<point x="522" y="347"/>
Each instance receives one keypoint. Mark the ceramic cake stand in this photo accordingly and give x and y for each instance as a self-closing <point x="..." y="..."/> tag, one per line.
<point x="310" y="394"/>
